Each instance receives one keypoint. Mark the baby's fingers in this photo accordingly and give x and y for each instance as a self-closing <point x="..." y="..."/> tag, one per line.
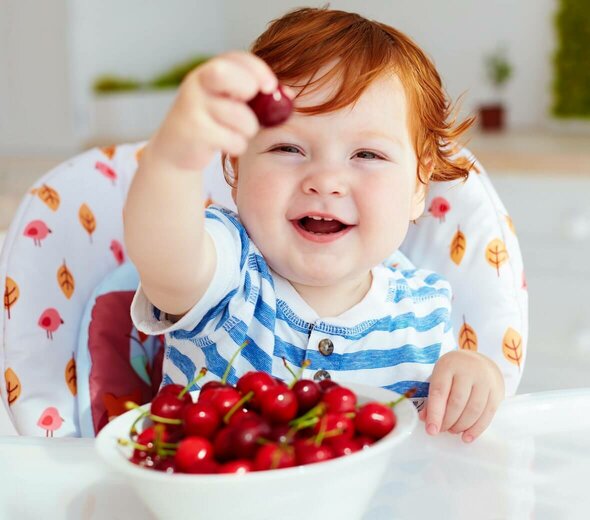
<point x="440" y="386"/>
<point x="472" y="410"/>
<point x="482" y="423"/>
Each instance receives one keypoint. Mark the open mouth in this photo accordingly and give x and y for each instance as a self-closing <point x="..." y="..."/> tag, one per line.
<point x="321" y="225"/>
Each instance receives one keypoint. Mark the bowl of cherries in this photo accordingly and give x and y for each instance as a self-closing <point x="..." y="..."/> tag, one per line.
<point x="260" y="448"/>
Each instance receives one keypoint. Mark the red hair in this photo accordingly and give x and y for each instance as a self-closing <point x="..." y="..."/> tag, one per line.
<point x="300" y="43"/>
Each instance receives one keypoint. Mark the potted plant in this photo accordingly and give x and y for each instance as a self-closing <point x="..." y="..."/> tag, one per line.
<point x="498" y="72"/>
<point x="127" y="109"/>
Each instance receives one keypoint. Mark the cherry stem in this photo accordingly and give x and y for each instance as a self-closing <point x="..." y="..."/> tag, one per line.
<point x="407" y="395"/>
<point x="237" y="406"/>
<point x="200" y="375"/>
<point x="164" y="420"/>
<point x="314" y="412"/>
<point x="320" y="436"/>
<point x="232" y="359"/>
<point x="290" y="371"/>
<point x="132" y="430"/>
<point x="297" y="376"/>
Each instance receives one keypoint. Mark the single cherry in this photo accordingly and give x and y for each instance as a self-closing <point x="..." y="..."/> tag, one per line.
<point x="167" y="406"/>
<point x="238" y="466"/>
<point x="342" y="446"/>
<point x="223" y="445"/>
<point x="274" y="456"/>
<point x="327" y="383"/>
<point x="222" y="398"/>
<point x="246" y="434"/>
<point x="257" y="382"/>
<point x="375" y="420"/>
<point x="308" y="394"/>
<point x="175" y="390"/>
<point x="339" y="399"/>
<point x="195" y="455"/>
<point x="337" y="424"/>
<point x="201" y="419"/>
<point x="272" y="109"/>
<point x="278" y="404"/>
<point x="307" y="452"/>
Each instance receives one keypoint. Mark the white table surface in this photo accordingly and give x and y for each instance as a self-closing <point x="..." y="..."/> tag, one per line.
<point x="533" y="462"/>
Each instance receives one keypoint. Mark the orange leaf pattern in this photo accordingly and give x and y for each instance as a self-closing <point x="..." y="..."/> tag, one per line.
<point x="65" y="279"/>
<point x="467" y="337"/>
<point x="510" y="224"/>
<point x="512" y="346"/>
<point x="458" y="245"/>
<point x="48" y="195"/>
<point x="13" y="387"/>
<point x="109" y="151"/>
<point x="87" y="219"/>
<point x="496" y="254"/>
<point x="71" y="379"/>
<point x="11" y="294"/>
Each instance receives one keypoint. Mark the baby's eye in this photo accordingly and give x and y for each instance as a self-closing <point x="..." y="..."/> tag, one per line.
<point x="286" y="148"/>
<point x="365" y="154"/>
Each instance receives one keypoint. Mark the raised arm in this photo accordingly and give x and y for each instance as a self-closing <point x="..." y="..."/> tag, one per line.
<point x="163" y="216"/>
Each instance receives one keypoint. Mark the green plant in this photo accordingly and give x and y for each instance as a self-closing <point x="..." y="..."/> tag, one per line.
<point x="498" y="68"/>
<point x="110" y="83"/>
<point x="174" y="76"/>
<point x="571" y="62"/>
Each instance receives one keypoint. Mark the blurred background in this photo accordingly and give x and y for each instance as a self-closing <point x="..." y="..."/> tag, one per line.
<point x="76" y="74"/>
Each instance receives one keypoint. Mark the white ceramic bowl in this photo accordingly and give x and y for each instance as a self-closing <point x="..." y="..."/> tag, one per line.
<point x="339" y="488"/>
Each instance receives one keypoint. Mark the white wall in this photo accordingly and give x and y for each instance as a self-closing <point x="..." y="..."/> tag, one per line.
<point x="456" y="34"/>
<point x="35" y="89"/>
<point x="138" y="39"/>
<point x="51" y="51"/>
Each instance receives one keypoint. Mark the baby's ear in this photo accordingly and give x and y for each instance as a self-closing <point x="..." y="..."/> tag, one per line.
<point x="421" y="190"/>
<point x="418" y="200"/>
<point x="234" y="163"/>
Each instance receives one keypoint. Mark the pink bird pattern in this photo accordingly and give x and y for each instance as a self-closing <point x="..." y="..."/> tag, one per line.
<point x="37" y="230"/>
<point x="50" y="421"/>
<point x="439" y="207"/>
<point x="50" y="321"/>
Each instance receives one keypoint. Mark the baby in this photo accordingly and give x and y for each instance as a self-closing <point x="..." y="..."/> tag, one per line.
<point x="322" y="200"/>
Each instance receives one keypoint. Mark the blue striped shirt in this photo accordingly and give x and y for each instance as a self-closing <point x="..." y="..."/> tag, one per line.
<point x="392" y="338"/>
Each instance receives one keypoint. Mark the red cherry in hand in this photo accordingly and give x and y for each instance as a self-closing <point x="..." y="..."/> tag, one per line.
<point x="272" y="109"/>
<point x="339" y="399"/>
<point x="374" y="420"/>
<point x="200" y="419"/>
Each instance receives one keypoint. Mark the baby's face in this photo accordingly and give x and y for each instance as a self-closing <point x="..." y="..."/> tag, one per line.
<point x="327" y="197"/>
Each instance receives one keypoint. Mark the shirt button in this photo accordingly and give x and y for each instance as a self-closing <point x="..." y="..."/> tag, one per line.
<point x="326" y="347"/>
<point x="321" y="374"/>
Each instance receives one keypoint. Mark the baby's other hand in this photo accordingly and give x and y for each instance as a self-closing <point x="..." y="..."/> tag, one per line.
<point x="466" y="389"/>
<point x="210" y="112"/>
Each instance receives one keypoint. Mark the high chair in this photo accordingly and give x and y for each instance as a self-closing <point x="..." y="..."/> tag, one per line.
<point x="69" y="353"/>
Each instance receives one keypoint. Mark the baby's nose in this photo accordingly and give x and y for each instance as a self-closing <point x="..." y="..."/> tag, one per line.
<point x="325" y="182"/>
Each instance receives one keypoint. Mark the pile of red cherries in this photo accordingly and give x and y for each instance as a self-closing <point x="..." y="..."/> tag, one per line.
<point x="261" y="423"/>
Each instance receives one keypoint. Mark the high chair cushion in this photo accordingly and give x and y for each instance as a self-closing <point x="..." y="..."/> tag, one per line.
<point x="66" y="242"/>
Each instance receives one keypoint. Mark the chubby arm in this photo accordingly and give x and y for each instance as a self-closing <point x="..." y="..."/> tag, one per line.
<point x="163" y="216"/>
